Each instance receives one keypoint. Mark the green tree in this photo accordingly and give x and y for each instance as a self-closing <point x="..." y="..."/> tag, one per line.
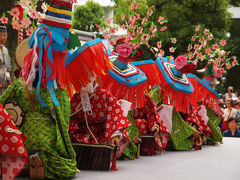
<point x="124" y="6"/>
<point x="85" y="17"/>
<point x="183" y="15"/>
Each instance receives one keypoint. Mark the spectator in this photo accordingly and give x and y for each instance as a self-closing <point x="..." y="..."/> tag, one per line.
<point x="232" y="132"/>
<point x="5" y="61"/>
<point x="227" y="114"/>
<point x="236" y="93"/>
<point x="237" y="107"/>
<point x="229" y="95"/>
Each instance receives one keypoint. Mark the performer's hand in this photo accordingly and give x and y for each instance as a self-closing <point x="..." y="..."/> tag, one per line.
<point x="196" y="133"/>
<point x="155" y="127"/>
<point x="115" y="140"/>
<point x="136" y="140"/>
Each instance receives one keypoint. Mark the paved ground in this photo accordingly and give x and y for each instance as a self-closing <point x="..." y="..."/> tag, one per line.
<point x="211" y="163"/>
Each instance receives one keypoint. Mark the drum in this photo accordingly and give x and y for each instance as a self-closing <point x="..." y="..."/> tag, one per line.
<point x="22" y="50"/>
<point x="15" y="112"/>
<point x="148" y="145"/>
<point x="93" y="156"/>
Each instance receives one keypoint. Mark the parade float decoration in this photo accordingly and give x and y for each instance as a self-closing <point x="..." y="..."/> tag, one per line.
<point x="127" y="80"/>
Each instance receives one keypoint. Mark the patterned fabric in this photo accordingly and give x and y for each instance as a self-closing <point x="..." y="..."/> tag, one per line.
<point x="181" y="133"/>
<point x="196" y="119"/>
<point x="213" y="125"/>
<point x="146" y="117"/>
<point x="13" y="156"/>
<point x="46" y="129"/>
<point x="131" y="150"/>
<point x="105" y="119"/>
<point x="238" y="117"/>
<point x="154" y="94"/>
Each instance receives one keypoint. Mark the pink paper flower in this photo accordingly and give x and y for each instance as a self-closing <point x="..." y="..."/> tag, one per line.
<point x="33" y="14"/>
<point x="171" y="49"/>
<point x="24" y="3"/>
<point x="174" y="40"/>
<point x="137" y="5"/>
<point x="215" y="46"/>
<point x="207" y="51"/>
<point x="124" y="50"/>
<point x="218" y="72"/>
<point x="228" y="66"/>
<point x="180" y="61"/>
<point x="26" y="22"/>
<point x="223" y="42"/>
<point x="197" y="28"/>
<point x="161" y="20"/>
<point x="122" y="17"/>
<point x="4" y="20"/>
<point x="234" y="63"/>
<point x="108" y="21"/>
<point x="112" y="30"/>
<point x="159" y="44"/>
<point x="161" y="52"/>
<point x="133" y="5"/>
<point x="44" y="7"/>
<point x="15" y="25"/>
<point x="15" y="12"/>
<point x="206" y="32"/>
<point x="29" y="32"/>
<point x="163" y="28"/>
<point x="199" y="55"/>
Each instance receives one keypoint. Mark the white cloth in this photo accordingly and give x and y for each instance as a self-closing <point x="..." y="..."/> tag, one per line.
<point x="126" y="106"/>
<point x="165" y="112"/>
<point x="203" y="114"/>
<point x="5" y="58"/>
<point x="226" y="115"/>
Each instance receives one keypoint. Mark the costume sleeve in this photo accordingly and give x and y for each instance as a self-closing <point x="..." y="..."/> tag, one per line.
<point x="7" y="59"/>
<point x="116" y="121"/>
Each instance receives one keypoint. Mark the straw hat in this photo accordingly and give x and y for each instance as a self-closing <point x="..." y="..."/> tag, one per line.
<point x="22" y="50"/>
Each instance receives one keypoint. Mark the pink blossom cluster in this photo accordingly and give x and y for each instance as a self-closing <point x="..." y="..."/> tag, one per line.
<point x="24" y="16"/>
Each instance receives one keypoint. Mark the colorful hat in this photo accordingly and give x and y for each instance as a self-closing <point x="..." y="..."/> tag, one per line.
<point x="205" y="93"/>
<point x="49" y="44"/>
<point x="127" y="81"/>
<point x="176" y="87"/>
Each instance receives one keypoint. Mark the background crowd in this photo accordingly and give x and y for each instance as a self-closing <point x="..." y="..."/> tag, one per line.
<point x="230" y="116"/>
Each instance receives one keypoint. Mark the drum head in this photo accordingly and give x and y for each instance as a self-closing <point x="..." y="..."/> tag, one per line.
<point x="15" y="112"/>
<point x="22" y="50"/>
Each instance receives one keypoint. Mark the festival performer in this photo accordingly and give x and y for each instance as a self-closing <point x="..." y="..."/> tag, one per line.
<point x="200" y="124"/>
<point x="105" y="123"/>
<point x="148" y="120"/>
<point x="5" y="61"/>
<point x="42" y="97"/>
<point x="181" y="132"/>
<point x="13" y="156"/>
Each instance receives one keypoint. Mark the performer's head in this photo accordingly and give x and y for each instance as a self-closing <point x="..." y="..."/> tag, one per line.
<point x="3" y="34"/>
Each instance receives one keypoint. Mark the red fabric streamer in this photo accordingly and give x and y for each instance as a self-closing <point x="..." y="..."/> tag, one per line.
<point x="91" y="61"/>
<point x="135" y="94"/>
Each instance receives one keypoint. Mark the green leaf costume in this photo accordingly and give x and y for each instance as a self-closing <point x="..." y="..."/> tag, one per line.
<point x="213" y="122"/>
<point x="181" y="131"/>
<point x="131" y="150"/>
<point x="46" y="129"/>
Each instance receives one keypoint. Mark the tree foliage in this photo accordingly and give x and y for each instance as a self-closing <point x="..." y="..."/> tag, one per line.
<point x="124" y="6"/>
<point x="183" y="15"/>
<point x="85" y="17"/>
<point x="233" y="75"/>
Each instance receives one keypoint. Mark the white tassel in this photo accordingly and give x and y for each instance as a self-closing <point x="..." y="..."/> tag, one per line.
<point x="32" y="73"/>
